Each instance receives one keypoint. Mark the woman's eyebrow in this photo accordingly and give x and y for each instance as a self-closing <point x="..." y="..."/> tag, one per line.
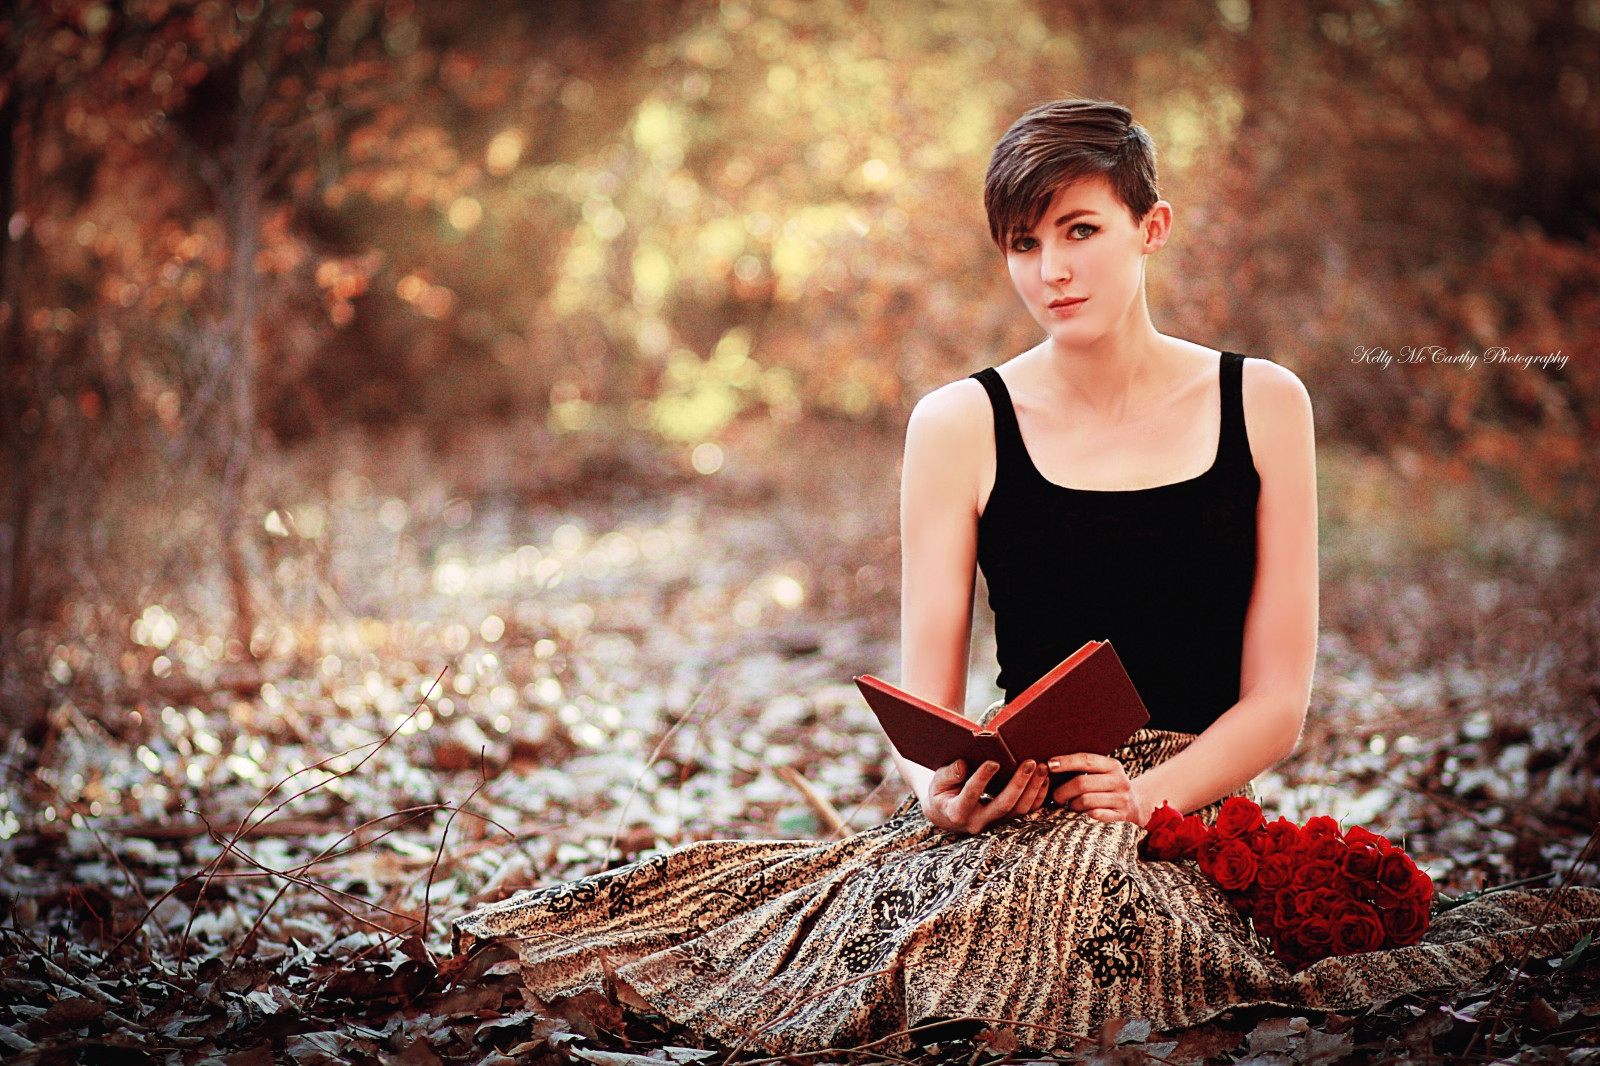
<point x="1070" y="215"/>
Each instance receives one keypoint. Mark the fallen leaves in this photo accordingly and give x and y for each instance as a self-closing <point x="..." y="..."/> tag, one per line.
<point x="161" y="890"/>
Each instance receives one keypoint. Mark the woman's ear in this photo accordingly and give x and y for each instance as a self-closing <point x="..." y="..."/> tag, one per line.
<point x="1156" y="226"/>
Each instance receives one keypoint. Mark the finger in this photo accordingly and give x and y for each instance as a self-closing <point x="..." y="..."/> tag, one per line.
<point x="1091" y="801"/>
<point x="1038" y="782"/>
<point x="948" y="778"/>
<point x="1008" y="802"/>
<point x="1087" y="782"/>
<point x="1016" y="788"/>
<point x="973" y="789"/>
<point x="1038" y="791"/>
<point x="1084" y="761"/>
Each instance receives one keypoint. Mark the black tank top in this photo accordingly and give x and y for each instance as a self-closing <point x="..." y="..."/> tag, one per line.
<point x="1164" y="573"/>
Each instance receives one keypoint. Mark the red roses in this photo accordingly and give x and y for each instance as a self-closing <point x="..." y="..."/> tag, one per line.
<point x="1311" y="890"/>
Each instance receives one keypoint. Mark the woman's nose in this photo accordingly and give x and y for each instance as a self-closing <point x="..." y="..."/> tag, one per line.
<point x="1055" y="265"/>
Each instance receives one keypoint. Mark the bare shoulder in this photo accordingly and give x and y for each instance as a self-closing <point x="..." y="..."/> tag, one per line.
<point x="949" y="455"/>
<point x="1277" y="407"/>
<point x="952" y="416"/>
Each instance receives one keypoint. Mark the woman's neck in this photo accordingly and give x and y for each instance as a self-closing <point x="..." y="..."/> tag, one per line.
<point x="1119" y="377"/>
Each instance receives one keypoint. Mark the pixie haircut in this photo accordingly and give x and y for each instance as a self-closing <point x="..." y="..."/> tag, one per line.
<point x="1058" y="143"/>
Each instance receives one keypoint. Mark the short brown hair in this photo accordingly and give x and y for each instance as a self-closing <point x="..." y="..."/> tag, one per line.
<point x="1055" y="144"/>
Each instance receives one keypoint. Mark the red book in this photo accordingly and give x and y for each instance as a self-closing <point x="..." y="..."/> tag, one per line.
<point x="1088" y="703"/>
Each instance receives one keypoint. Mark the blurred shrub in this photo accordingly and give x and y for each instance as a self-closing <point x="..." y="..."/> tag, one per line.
<point x="668" y="220"/>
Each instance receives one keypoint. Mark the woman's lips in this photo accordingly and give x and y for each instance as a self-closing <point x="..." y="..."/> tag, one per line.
<point x="1066" y="306"/>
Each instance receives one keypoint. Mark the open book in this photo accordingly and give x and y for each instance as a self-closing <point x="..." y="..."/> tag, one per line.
<point x="1087" y="703"/>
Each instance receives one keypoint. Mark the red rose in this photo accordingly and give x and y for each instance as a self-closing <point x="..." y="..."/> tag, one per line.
<point x="1259" y="841"/>
<point x="1319" y="903"/>
<point x="1238" y="817"/>
<point x="1321" y="826"/>
<point x="1244" y="900"/>
<point x="1166" y="814"/>
<point x="1406" y="923"/>
<point x="1356" y="928"/>
<point x="1361" y="863"/>
<point x="1421" y="888"/>
<point x="1396" y="874"/>
<point x="1190" y="833"/>
<point x="1316" y="874"/>
<point x="1161" y="834"/>
<point x="1287" y="901"/>
<point x="1275" y="870"/>
<point x="1282" y="835"/>
<point x="1161" y="843"/>
<point x="1324" y="849"/>
<point x="1264" y="914"/>
<point x="1357" y="835"/>
<point x="1315" y="937"/>
<point x="1206" y="854"/>
<point x="1235" y="866"/>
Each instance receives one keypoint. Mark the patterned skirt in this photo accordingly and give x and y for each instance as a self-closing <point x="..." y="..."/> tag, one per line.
<point x="1049" y="924"/>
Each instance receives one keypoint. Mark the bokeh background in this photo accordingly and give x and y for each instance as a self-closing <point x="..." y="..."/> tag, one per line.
<point x="544" y="365"/>
<point x="577" y="242"/>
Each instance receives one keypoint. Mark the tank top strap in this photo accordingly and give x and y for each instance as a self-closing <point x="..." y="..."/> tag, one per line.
<point x="1009" y="451"/>
<point x="1235" y="443"/>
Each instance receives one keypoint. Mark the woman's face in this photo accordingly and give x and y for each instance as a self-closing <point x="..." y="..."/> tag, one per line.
<point x="1080" y="271"/>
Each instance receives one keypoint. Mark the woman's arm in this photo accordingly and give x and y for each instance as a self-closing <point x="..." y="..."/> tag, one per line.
<point x="944" y="467"/>
<point x="1280" y="632"/>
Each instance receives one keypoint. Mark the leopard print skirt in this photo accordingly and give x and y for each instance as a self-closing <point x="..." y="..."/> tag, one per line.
<point x="1048" y="923"/>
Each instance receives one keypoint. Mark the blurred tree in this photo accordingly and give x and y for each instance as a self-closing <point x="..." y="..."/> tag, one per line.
<point x="180" y="269"/>
<point x="677" y="222"/>
<point x="13" y="371"/>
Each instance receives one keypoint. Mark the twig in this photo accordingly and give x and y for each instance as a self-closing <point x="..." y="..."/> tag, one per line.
<point x="376" y="746"/>
<point x="683" y="772"/>
<point x="654" y="755"/>
<point x="325" y="891"/>
<point x="180" y="831"/>
<point x="851" y="817"/>
<point x="1462" y="809"/>
<point x="127" y="874"/>
<point x="427" y="889"/>
<point x="1448" y="903"/>
<point x="245" y="824"/>
<point x="827" y="817"/>
<point x="466" y="851"/>
<point x="1502" y="996"/>
<point x="303" y="868"/>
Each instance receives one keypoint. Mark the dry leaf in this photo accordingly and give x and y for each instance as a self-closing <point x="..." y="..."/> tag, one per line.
<point x="1001" y="1040"/>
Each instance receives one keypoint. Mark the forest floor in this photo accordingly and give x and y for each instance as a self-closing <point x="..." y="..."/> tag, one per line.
<point x="462" y="694"/>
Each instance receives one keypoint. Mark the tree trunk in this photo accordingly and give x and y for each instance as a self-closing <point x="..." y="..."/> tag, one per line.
<point x="241" y="218"/>
<point x="13" y="371"/>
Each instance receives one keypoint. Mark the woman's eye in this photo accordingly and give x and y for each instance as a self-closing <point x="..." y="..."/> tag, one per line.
<point x="1024" y="244"/>
<point x="1084" y="225"/>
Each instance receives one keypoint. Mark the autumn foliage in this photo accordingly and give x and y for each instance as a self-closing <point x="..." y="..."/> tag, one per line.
<point x="617" y="226"/>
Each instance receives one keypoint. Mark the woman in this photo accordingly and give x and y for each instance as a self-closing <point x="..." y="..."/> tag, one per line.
<point x="1156" y="542"/>
<point x="1111" y="482"/>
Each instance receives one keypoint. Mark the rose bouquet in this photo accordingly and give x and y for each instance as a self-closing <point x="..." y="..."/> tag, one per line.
<point x="1310" y="890"/>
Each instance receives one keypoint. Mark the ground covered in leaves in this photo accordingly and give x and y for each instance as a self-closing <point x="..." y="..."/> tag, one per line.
<point x="212" y="857"/>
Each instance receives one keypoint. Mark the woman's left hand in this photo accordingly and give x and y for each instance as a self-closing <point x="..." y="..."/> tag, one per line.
<point x="1102" y="789"/>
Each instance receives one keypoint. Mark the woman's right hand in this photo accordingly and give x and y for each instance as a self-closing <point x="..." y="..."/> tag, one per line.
<point x="959" y="807"/>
